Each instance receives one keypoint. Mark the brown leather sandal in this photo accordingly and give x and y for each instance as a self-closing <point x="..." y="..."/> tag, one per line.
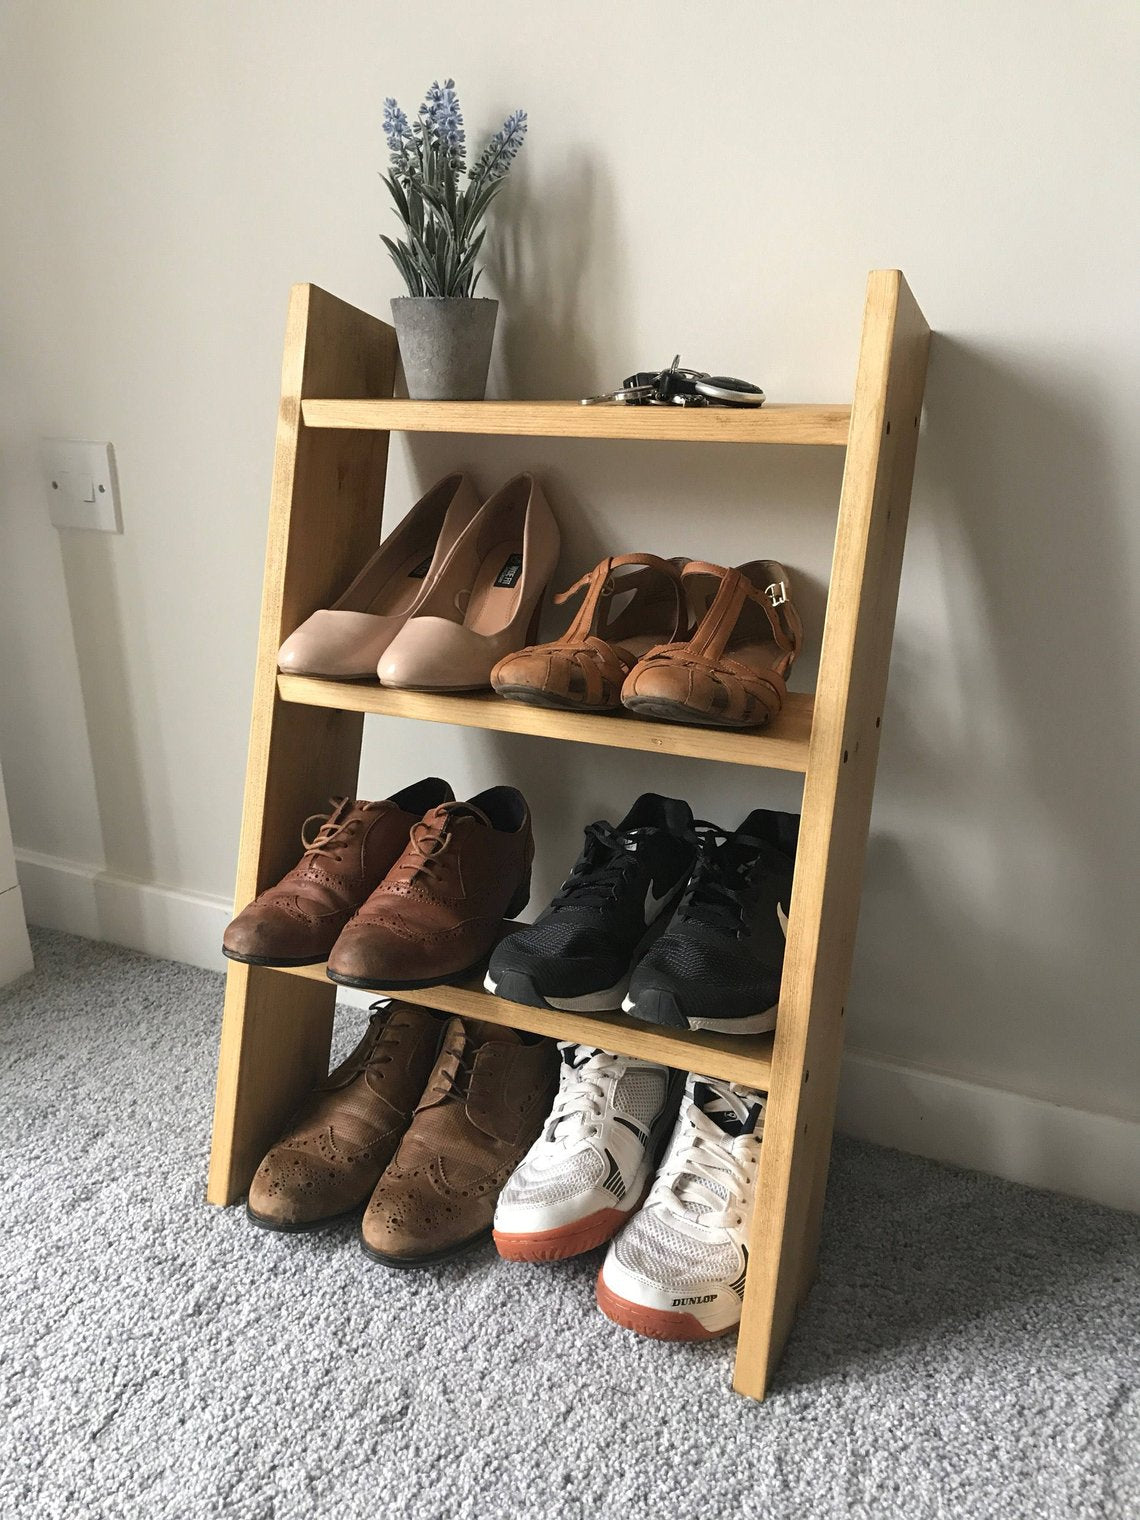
<point x="730" y="673"/>
<point x="585" y="668"/>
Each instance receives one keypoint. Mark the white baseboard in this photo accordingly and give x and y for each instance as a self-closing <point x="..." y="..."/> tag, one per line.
<point x="15" y="951"/>
<point x="163" y="921"/>
<point x="1026" y="1139"/>
<point x="928" y="1113"/>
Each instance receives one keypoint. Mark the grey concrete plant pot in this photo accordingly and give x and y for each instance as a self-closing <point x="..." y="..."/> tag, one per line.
<point x="445" y="343"/>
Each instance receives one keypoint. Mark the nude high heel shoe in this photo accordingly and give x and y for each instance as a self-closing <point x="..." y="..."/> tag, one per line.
<point x="485" y="601"/>
<point x="344" y="641"/>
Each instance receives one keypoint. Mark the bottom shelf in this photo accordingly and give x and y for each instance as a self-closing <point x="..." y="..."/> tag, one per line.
<point x="734" y="1057"/>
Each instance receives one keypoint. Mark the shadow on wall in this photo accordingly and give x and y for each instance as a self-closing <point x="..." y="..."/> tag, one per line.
<point x="543" y="346"/>
<point x="110" y="701"/>
<point x="1019" y="762"/>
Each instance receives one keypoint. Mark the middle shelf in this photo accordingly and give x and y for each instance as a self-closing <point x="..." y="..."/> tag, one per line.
<point x="782" y="746"/>
<point x="745" y="1058"/>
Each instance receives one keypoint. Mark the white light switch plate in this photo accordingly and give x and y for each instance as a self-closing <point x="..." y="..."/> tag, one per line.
<point x="81" y="483"/>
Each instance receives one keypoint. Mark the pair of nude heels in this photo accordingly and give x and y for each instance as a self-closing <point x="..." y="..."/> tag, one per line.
<point x="451" y="591"/>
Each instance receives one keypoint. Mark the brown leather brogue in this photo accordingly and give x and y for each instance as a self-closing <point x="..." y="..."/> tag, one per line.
<point x="486" y="1101"/>
<point x="296" y="922"/>
<point x="348" y="1130"/>
<point x="437" y="912"/>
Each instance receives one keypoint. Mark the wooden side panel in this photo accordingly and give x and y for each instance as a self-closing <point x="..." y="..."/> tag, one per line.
<point x="324" y="520"/>
<point x="836" y="813"/>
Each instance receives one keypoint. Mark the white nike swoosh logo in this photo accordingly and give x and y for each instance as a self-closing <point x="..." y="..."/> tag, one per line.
<point x="783" y="917"/>
<point x="654" y="904"/>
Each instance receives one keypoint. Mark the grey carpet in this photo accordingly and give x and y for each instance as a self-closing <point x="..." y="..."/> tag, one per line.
<point x="969" y="1351"/>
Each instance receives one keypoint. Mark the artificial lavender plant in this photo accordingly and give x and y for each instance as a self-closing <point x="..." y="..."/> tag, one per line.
<point x="442" y="215"/>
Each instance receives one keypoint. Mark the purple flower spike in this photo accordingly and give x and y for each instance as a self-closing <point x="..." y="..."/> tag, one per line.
<point x="442" y="117"/>
<point x="397" y="131"/>
<point x="500" y="153"/>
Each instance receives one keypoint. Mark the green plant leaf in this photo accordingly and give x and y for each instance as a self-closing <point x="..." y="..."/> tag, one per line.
<point x="398" y="196"/>
<point x="470" y="256"/>
<point x="426" y="260"/>
<point x="477" y="210"/>
<point x="402" y="258"/>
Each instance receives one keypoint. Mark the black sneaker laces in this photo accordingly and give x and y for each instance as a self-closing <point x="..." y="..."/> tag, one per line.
<point x="715" y="894"/>
<point x="605" y="865"/>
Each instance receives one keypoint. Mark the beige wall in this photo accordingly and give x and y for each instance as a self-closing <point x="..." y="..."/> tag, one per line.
<point x="714" y="179"/>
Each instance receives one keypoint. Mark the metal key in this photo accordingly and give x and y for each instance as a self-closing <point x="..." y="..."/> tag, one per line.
<point x="633" y="395"/>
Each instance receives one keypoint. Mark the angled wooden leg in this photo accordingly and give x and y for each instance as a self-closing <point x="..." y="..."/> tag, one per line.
<point x="324" y="520"/>
<point x="276" y="1032"/>
<point x="833" y="833"/>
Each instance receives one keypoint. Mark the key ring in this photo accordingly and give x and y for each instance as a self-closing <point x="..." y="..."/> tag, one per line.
<point x="676" y="386"/>
<point x="630" y="393"/>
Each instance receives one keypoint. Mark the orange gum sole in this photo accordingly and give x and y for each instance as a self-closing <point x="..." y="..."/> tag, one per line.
<point x="567" y="1240"/>
<point x="657" y="1324"/>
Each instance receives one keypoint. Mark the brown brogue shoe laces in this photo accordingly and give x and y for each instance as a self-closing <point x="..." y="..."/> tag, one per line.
<point x="430" y="839"/>
<point x="453" y="1075"/>
<point x="382" y="1023"/>
<point x="334" y="833"/>
<point x="426" y="843"/>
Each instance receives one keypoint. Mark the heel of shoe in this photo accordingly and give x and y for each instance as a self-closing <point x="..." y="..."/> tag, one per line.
<point x="519" y="901"/>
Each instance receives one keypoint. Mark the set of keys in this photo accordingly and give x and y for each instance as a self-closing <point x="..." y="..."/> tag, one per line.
<point x="676" y="386"/>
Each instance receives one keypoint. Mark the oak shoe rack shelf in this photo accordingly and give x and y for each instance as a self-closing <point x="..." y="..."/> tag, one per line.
<point x="336" y="415"/>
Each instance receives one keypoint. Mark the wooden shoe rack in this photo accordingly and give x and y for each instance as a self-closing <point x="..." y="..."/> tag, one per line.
<point x="336" y="416"/>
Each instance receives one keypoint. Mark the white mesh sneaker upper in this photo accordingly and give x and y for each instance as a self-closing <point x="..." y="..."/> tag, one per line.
<point x="592" y="1150"/>
<point x="640" y="1091"/>
<point x="690" y="1235"/>
<point x="551" y="1178"/>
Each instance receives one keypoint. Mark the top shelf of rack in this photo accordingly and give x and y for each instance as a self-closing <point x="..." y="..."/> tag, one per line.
<point x="569" y="419"/>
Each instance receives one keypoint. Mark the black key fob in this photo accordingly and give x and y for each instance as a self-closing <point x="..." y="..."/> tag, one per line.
<point x="644" y="379"/>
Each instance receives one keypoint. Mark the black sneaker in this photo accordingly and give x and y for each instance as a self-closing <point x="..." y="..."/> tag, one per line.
<point x="718" y="964"/>
<point x="579" y="952"/>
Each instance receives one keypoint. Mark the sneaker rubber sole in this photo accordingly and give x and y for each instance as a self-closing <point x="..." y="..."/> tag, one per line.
<point x="565" y="1241"/>
<point x="657" y="1006"/>
<point x="656" y="1324"/>
<point x="519" y="987"/>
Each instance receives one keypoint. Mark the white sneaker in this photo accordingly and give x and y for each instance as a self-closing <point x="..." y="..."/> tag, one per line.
<point x="676" y="1272"/>
<point x="593" y="1163"/>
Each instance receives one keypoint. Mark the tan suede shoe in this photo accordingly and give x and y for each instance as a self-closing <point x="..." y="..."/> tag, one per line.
<point x="487" y="1099"/>
<point x="730" y="673"/>
<point x="346" y="640"/>
<point x="633" y="602"/>
<point x="437" y="913"/>
<point x="347" y="1132"/>
<point x="296" y="922"/>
